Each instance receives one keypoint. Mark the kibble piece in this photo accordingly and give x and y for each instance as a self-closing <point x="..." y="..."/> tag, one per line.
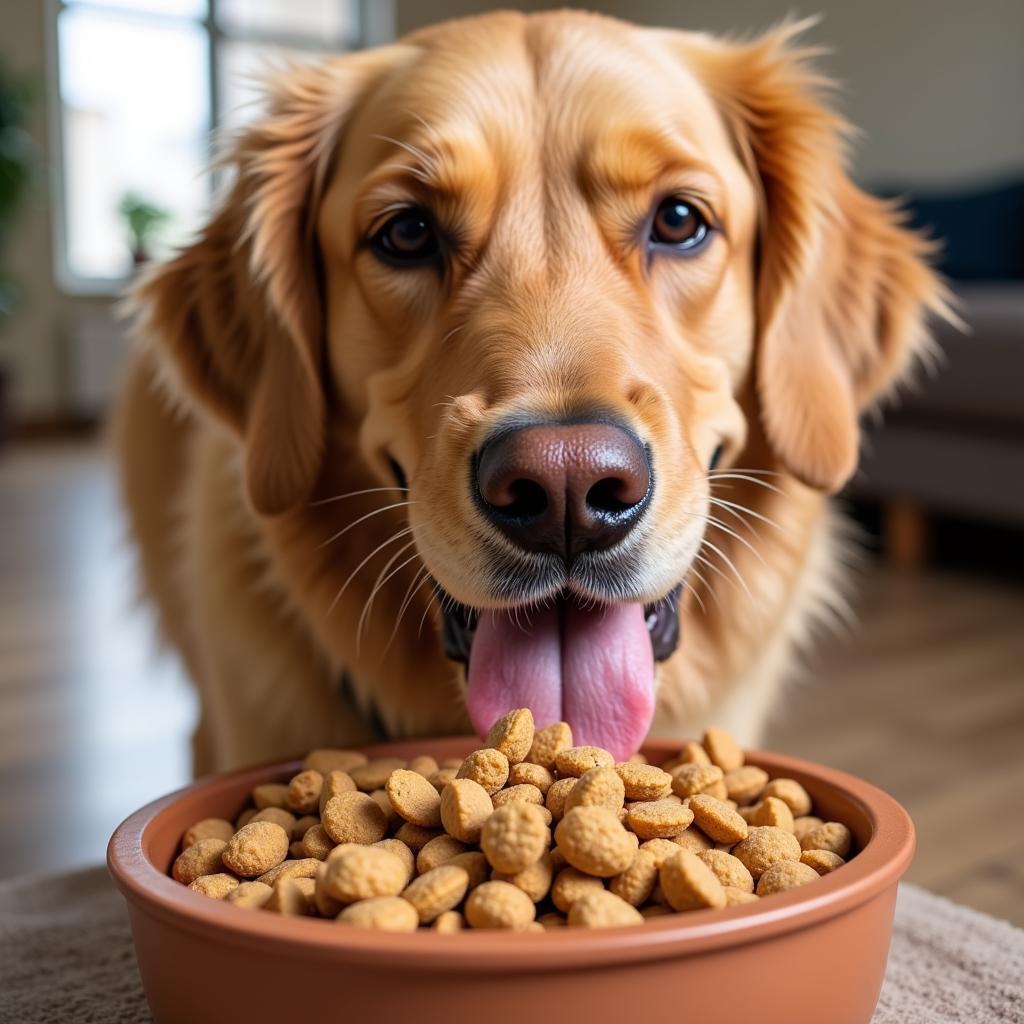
<point x="773" y="811"/>
<point x="693" y="840"/>
<point x="354" y="818"/>
<point x="215" y="886"/>
<point x="296" y="850"/>
<point x="384" y="913"/>
<point x="327" y="760"/>
<point x="437" y="891"/>
<point x="823" y="861"/>
<point x="208" y="828"/>
<point x="474" y="863"/>
<point x="691" y="753"/>
<point x="244" y="818"/>
<point x="691" y="779"/>
<point x="465" y="806"/>
<point x="832" y="836"/>
<point x="499" y="905"/>
<point x="603" y="910"/>
<point x="292" y="897"/>
<point x="598" y="787"/>
<point x="729" y="870"/>
<point x="735" y="897"/>
<point x="764" y="846"/>
<point x="256" y="848"/>
<point x="577" y="760"/>
<point x="659" y="819"/>
<point x="655" y="910"/>
<point x="806" y="823"/>
<point x="593" y="840"/>
<point x="415" y="836"/>
<point x="304" y="824"/>
<point x="717" y="819"/>
<point x="442" y="777"/>
<point x="637" y="882"/>
<point x="307" y="867"/>
<point x="662" y="849"/>
<point x="334" y="783"/>
<point x="270" y="794"/>
<point x="374" y="774"/>
<point x="514" y="837"/>
<point x="513" y="735"/>
<point x="424" y="765"/>
<point x="488" y="767"/>
<point x="251" y="895"/>
<point x="786" y="874"/>
<point x="438" y="851"/>
<point x="317" y="843"/>
<point x="557" y="795"/>
<point x="304" y="792"/>
<point x="362" y="872"/>
<point x="449" y="922"/>
<point x="744" y="785"/>
<point x="569" y="885"/>
<point x="549" y="922"/>
<point x="644" y="781"/>
<point x="521" y="794"/>
<point x="791" y="792"/>
<point x="278" y="816"/>
<point x="548" y="743"/>
<point x="414" y="798"/>
<point x="689" y="884"/>
<point x="403" y="853"/>
<point x="527" y="774"/>
<point x="201" y="858"/>
<point x="534" y="880"/>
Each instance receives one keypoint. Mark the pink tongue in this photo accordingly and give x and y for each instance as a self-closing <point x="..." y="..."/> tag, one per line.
<point x="594" y="670"/>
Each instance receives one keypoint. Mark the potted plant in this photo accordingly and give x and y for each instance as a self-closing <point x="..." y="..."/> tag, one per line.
<point x="144" y="220"/>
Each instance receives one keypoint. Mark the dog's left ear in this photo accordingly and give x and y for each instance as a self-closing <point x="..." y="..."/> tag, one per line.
<point x="843" y="288"/>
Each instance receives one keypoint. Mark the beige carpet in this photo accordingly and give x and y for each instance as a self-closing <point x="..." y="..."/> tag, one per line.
<point x="66" y="955"/>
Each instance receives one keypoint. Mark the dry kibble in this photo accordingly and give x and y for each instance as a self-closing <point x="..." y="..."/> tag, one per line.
<point x="208" y="828"/>
<point x="488" y="767"/>
<point x="215" y="886"/>
<point x="655" y="910"/>
<point x="806" y="823"/>
<point x="424" y="765"/>
<point x="499" y="905"/>
<point x="569" y="885"/>
<point x="437" y="891"/>
<point x="474" y="863"/>
<point x="304" y="824"/>
<point x="691" y="753"/>
<point x="201" y="858"/>
<point x="833" y="836"/>
<point x="549" y="922"/>
<point x="296" y="850"/>
<point x="354" y="818"/>
<point x="577" y="760"/>
<point x="465" y="806"/>
<point x="603" y="910"/>
<point x="442" y="777"/>
<point x="374" y="774"/>
<point x="734" y="897"/>
<point x="278" y="816"/>
<point x="527" y="774"/>
<point x="786" y="874"/>
<point x="791" y="792"/>
<point x="764" y="846"/>
<point x="693" y="840"/>
<point x="438" y="851"/>
<point x="723" y="750"/>
<point x="291" y="896"/>
<point x="659" y="819"/>
<point x="513" y="735"/>
<point x="403" y="853"/>
<point x="307" y="867"/>
<point x="304" y="792"/>
<point x="823" y="861"/>
<point x="391" y="816"/>
<point x="644" y="781"/>
<point x="534" y="880"/>
<point x="514" y="837"/>
<point x="744" y="785"/>
<point x="717" y="819"/>
<point x="271" y="794"/>
<point x="548" y="743"/>
<point x="593" y="840"/>
<point x="326" y="761"/>
<point x="598" y="787"/>
<point x="637" y="882"/>
<point x="689" y="884"/>
<point x="384" y="913"/>
<point x="448" y="923"/>
<point x="557" y="795"/>
<point x="521" y="794"/>
<point x="362" y="872"/>
<point x="414" y="798"/>
<point x="692" y="779"/>
<point x="334" y="783"/>
<point x="244" y="818"/>
<point x="252" y="895"/>
<point x="317" y="843"/>
<point x="729" y="870"/>
<point x="662" y="849"/>
<point x="256" y="848"/>
<point x="772" y="811"/>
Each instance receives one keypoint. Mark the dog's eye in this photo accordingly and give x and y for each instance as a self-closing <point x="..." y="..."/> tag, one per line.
<point x="678" y="225"/>
<point x="408" y="239"/>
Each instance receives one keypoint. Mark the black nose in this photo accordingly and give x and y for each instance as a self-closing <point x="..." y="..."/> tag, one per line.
<point x="564" y="488"/>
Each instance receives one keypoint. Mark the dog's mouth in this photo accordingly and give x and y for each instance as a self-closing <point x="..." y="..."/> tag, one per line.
<point x="590" y="665"/>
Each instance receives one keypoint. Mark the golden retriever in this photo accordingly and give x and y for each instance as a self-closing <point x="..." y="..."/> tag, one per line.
<point x="535" y="342"/>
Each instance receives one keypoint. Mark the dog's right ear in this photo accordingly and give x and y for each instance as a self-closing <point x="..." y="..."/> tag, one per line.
<point x="237" y="317"/>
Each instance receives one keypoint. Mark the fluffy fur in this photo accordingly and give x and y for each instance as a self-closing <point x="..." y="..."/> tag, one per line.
<point x="281" y="366"/>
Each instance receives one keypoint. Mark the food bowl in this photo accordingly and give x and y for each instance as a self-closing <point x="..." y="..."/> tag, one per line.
<point x="810" y="954"/>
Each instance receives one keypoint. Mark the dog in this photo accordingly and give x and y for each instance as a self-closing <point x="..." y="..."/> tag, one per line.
<point x="515" y="368"/>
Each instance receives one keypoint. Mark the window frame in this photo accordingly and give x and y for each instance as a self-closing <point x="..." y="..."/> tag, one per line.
<point x="375" y="20"/>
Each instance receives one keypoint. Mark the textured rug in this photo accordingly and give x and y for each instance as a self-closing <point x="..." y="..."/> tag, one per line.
<point x="66" y="956"/>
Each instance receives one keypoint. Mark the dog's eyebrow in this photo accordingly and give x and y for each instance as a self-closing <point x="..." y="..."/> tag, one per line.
<point x="457" y="166"/>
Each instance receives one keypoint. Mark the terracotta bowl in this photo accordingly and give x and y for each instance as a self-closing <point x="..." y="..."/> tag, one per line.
<point x="814" y="954"/>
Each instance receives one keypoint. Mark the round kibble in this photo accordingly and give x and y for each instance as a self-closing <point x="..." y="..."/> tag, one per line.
<point x="514" y="837"/>
<point x="442" y="777"/>
<point x="415" y="836"/>
<point x="598" y="787"/>
<point x="403" y="853"/>
<point x="304" y="792"/>
<point x="693" y="840"/>
<point x="474" y="863"/>
<point x="354" y="818"/>
<point x="292" y="897"/>
<point x="488" y="767"/>
<point x="593" y="840"/>
<point x="465" y="806"/>
<point x="334" y="783"/>
<point x="414" y="798"/>
<point x="383" y="913"/>
<point x="691" y="779"/>
<point x="786" y="874"/>
<point x="438" y="890"/>
<point x="208" y="828"/>
<point x="577" y="760"/>
<point x="521" y="794"/>
<point x="251" y="895"/>
<point x="304" y="824"/>
<point x="735" y="897"/>
<point x="791" y="792"/>
<point x="317" y="843"/>
<point x="722" y="749"/>
<point x="391" y="816"/>
<point x="806" y="823"/>
<point x="569" y="885"/>
<point x="499" y="905"/>
<point x="270" y="794"/>
<point x="603" y="910"/>
<point x="362" y="872"/>
<point x="513" y="735"/>
<point x="644" y="781"/>
<point x="438" y="851"/>
<point x="744" y="785"/>
<point x="527" y="774"/>
<point x="637" y="882"/>
<point x="449" y="922"/>
<point x="729" y="870"/>
<point x="833" y="836"/>
<point x="256" y="848"/>
<point x="201" y="858"/>
<point x="215" y="886"/>
<point x="279" y="816"/>
<point x="329" y="760"/>
<point x="689" y="884"/>
<point x="773" y="811"/>
<point x="659" y="819"/>
<point x="534" y="880"/>
<point x="557" y="795"/>
<point x="548" y="743"/>
<point x="424" y="765"/>
<point x="764" y="846"/>
<point x="305" y="867"/>
<point x="374" y="774"/>
<point x="717" y="819"/>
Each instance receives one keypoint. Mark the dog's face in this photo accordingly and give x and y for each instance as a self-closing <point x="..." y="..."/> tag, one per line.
<point x="550" y="272"/>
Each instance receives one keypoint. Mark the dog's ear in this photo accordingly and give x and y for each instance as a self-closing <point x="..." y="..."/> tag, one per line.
<point x="843" y="288"/>
<point x="237" y="317"/>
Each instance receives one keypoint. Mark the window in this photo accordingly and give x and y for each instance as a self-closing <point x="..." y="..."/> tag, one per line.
<point x="141" y="85"/>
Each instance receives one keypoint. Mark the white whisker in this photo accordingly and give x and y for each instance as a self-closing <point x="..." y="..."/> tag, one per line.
<point x="352" y="494"/>
<point x="355" y="571"/>
<point x="361" y="519"/>
<point x="728" y="561"/>
<point x="376" y="590"/>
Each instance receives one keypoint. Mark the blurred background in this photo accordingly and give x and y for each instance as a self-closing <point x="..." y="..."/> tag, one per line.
<point x="106" y="113"/>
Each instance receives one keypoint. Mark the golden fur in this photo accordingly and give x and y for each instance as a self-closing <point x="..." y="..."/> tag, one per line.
<point x="281" y="365"/>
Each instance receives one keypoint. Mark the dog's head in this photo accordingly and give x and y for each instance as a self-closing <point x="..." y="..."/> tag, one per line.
<point x="547" y="273"/>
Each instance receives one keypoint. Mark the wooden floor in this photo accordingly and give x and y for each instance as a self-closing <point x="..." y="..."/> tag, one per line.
<point x="926" y="699"/>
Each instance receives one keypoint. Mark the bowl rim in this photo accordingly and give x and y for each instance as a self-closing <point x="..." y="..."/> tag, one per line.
<point x="874" y="869"/>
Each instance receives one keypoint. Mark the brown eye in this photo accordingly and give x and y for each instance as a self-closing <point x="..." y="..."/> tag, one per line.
<point x="408" y="239"/>
<point x="678" y="225"/>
